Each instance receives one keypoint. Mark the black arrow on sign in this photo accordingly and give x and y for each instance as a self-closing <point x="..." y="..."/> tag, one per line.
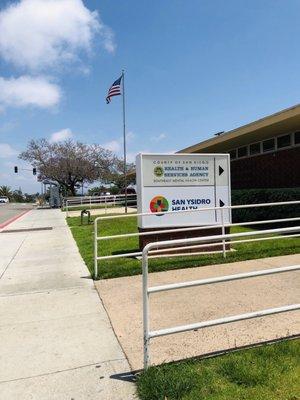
<point x="221" y="203"/>
<point x="221" y="170"/>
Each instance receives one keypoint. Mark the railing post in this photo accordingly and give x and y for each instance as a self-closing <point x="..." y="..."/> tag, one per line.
<point x="95" y="250"/>
<point x="105" y="205"/>
<point x="146" y="309"/>
<point x="223" y="233"/>
<point x="90" y="202"/>
<point x="67" y="209"/>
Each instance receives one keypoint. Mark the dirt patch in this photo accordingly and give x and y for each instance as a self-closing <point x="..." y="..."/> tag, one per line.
<point x="122" y="298"/>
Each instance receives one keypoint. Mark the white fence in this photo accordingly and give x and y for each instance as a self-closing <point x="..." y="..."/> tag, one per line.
<point x="106" y="201"/>
<point x="148" y="334"/>
<point x="159" y="252"/>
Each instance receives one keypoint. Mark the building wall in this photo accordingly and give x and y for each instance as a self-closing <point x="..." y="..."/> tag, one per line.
<point x="280" y="169"/>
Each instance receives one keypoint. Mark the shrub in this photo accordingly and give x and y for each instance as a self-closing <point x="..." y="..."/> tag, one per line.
<point x="253" y="196"/>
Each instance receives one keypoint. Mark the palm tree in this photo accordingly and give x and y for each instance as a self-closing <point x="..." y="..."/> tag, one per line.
<point x="6" y="191"/>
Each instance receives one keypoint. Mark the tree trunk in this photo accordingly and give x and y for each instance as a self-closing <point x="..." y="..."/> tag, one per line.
<point x="71" y="188"/>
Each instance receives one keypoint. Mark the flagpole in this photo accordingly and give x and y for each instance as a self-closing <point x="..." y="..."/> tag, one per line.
<point x="124" y="140"/>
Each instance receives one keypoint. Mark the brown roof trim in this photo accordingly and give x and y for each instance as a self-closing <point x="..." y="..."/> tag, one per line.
<point x="245" y="129"/>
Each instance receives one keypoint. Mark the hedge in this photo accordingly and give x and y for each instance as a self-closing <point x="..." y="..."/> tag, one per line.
<point x="252" y="196"/>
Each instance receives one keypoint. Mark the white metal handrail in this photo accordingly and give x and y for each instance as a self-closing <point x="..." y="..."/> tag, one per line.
<point x="79" y="199"/>
<point x="197" y="246"/>
<point x="220" y="279"/>
<point x="105" y="201"/>
<point x="197" y="228"/>
<point x="222" y="226"/>
<point x="139" y="253"/>
<point x="97" y="197"/>
<point x="225" y="320"/>
<point x="147" y="334"/>
<point x="280" y="203"/>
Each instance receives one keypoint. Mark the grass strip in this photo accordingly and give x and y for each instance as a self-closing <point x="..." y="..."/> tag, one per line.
<point x="131" y="266"/>
<point x="269" y="372"/>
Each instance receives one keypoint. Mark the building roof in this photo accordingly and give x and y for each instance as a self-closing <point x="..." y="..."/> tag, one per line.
<point x="284" y="121"/>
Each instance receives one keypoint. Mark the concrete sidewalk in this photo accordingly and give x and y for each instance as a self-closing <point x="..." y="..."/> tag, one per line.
<point x="56" y="341"/>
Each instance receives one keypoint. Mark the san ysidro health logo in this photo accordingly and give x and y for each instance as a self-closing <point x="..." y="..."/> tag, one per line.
<point x="159" y="204"/>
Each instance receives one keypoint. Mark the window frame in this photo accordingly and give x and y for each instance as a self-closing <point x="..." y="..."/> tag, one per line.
<point x="294" y="139"/>
<point x="271" y="150"/>
<point x="230" y="151"/>
<point x="241" y="147"/>
<point x="284" y="147"/>
<point x="292" y="144"/>
<point x="260" y="149"/>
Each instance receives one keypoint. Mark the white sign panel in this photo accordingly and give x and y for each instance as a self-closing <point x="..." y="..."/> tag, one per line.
<point x="177" y="171"/>
<point x="182" y="182"/>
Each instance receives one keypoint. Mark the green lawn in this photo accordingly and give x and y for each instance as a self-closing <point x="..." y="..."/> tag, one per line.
<point x="269" y="372"/>
<point x="131" y="266"/>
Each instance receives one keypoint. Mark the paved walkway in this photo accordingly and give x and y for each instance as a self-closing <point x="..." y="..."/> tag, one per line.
<point x="202" y="303"/>
<point x="56" y="341"/>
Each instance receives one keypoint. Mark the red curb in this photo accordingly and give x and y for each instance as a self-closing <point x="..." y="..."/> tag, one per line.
<point x="9" y="221"/>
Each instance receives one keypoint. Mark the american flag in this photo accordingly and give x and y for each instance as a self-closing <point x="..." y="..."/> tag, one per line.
<point x="114" y="90"/>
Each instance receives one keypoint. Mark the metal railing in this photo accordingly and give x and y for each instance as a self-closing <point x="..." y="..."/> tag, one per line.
<point x="106" y="201"/>
<point x="158" y="253"/>
<point x="148" y="334"/>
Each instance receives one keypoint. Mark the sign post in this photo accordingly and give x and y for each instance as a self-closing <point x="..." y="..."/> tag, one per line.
<point x="175" y="182"/>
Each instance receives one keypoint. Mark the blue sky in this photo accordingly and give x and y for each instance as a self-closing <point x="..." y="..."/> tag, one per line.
<point x="193" y="68"/>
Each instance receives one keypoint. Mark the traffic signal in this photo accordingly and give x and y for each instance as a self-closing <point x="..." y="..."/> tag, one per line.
<point x="34" y="171"/>
<point x="16" y="169"/>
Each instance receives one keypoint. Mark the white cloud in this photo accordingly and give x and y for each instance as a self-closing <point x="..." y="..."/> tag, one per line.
<point x="129" y="136"/>
<point x="131" y="156"/>
<point x="172" y="151"/>
<point x="8" y="126"/>
<point x="4" y="175"/>
<point x="158" y="138"/>
<point x="9" y="164"/>
<point x="108" y="38"/>
<point x="114" y="145"/>
<point x="28" y="91"/>
<point x="59" y="136"/>
<point x="7" y="151"/>
<point x="36" y="34"/>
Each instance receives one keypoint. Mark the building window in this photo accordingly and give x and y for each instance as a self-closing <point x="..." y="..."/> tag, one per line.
<point x="268" y="145"/>
<point x="242" y="151"/>
<point x="232" y="154"/>
<point x="297" y="137"/>
<point x="254" y="148"/>
<point x="283" y="141"/>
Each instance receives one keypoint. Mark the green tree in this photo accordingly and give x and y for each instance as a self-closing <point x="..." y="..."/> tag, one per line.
<point x="30" y="198"/>
<point x="117" y="176"/>
<point x="6" y="191"/>
<point x="17" y="196"/>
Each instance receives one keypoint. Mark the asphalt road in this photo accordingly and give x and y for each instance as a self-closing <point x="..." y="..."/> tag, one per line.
<point x="11" y="210"/>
